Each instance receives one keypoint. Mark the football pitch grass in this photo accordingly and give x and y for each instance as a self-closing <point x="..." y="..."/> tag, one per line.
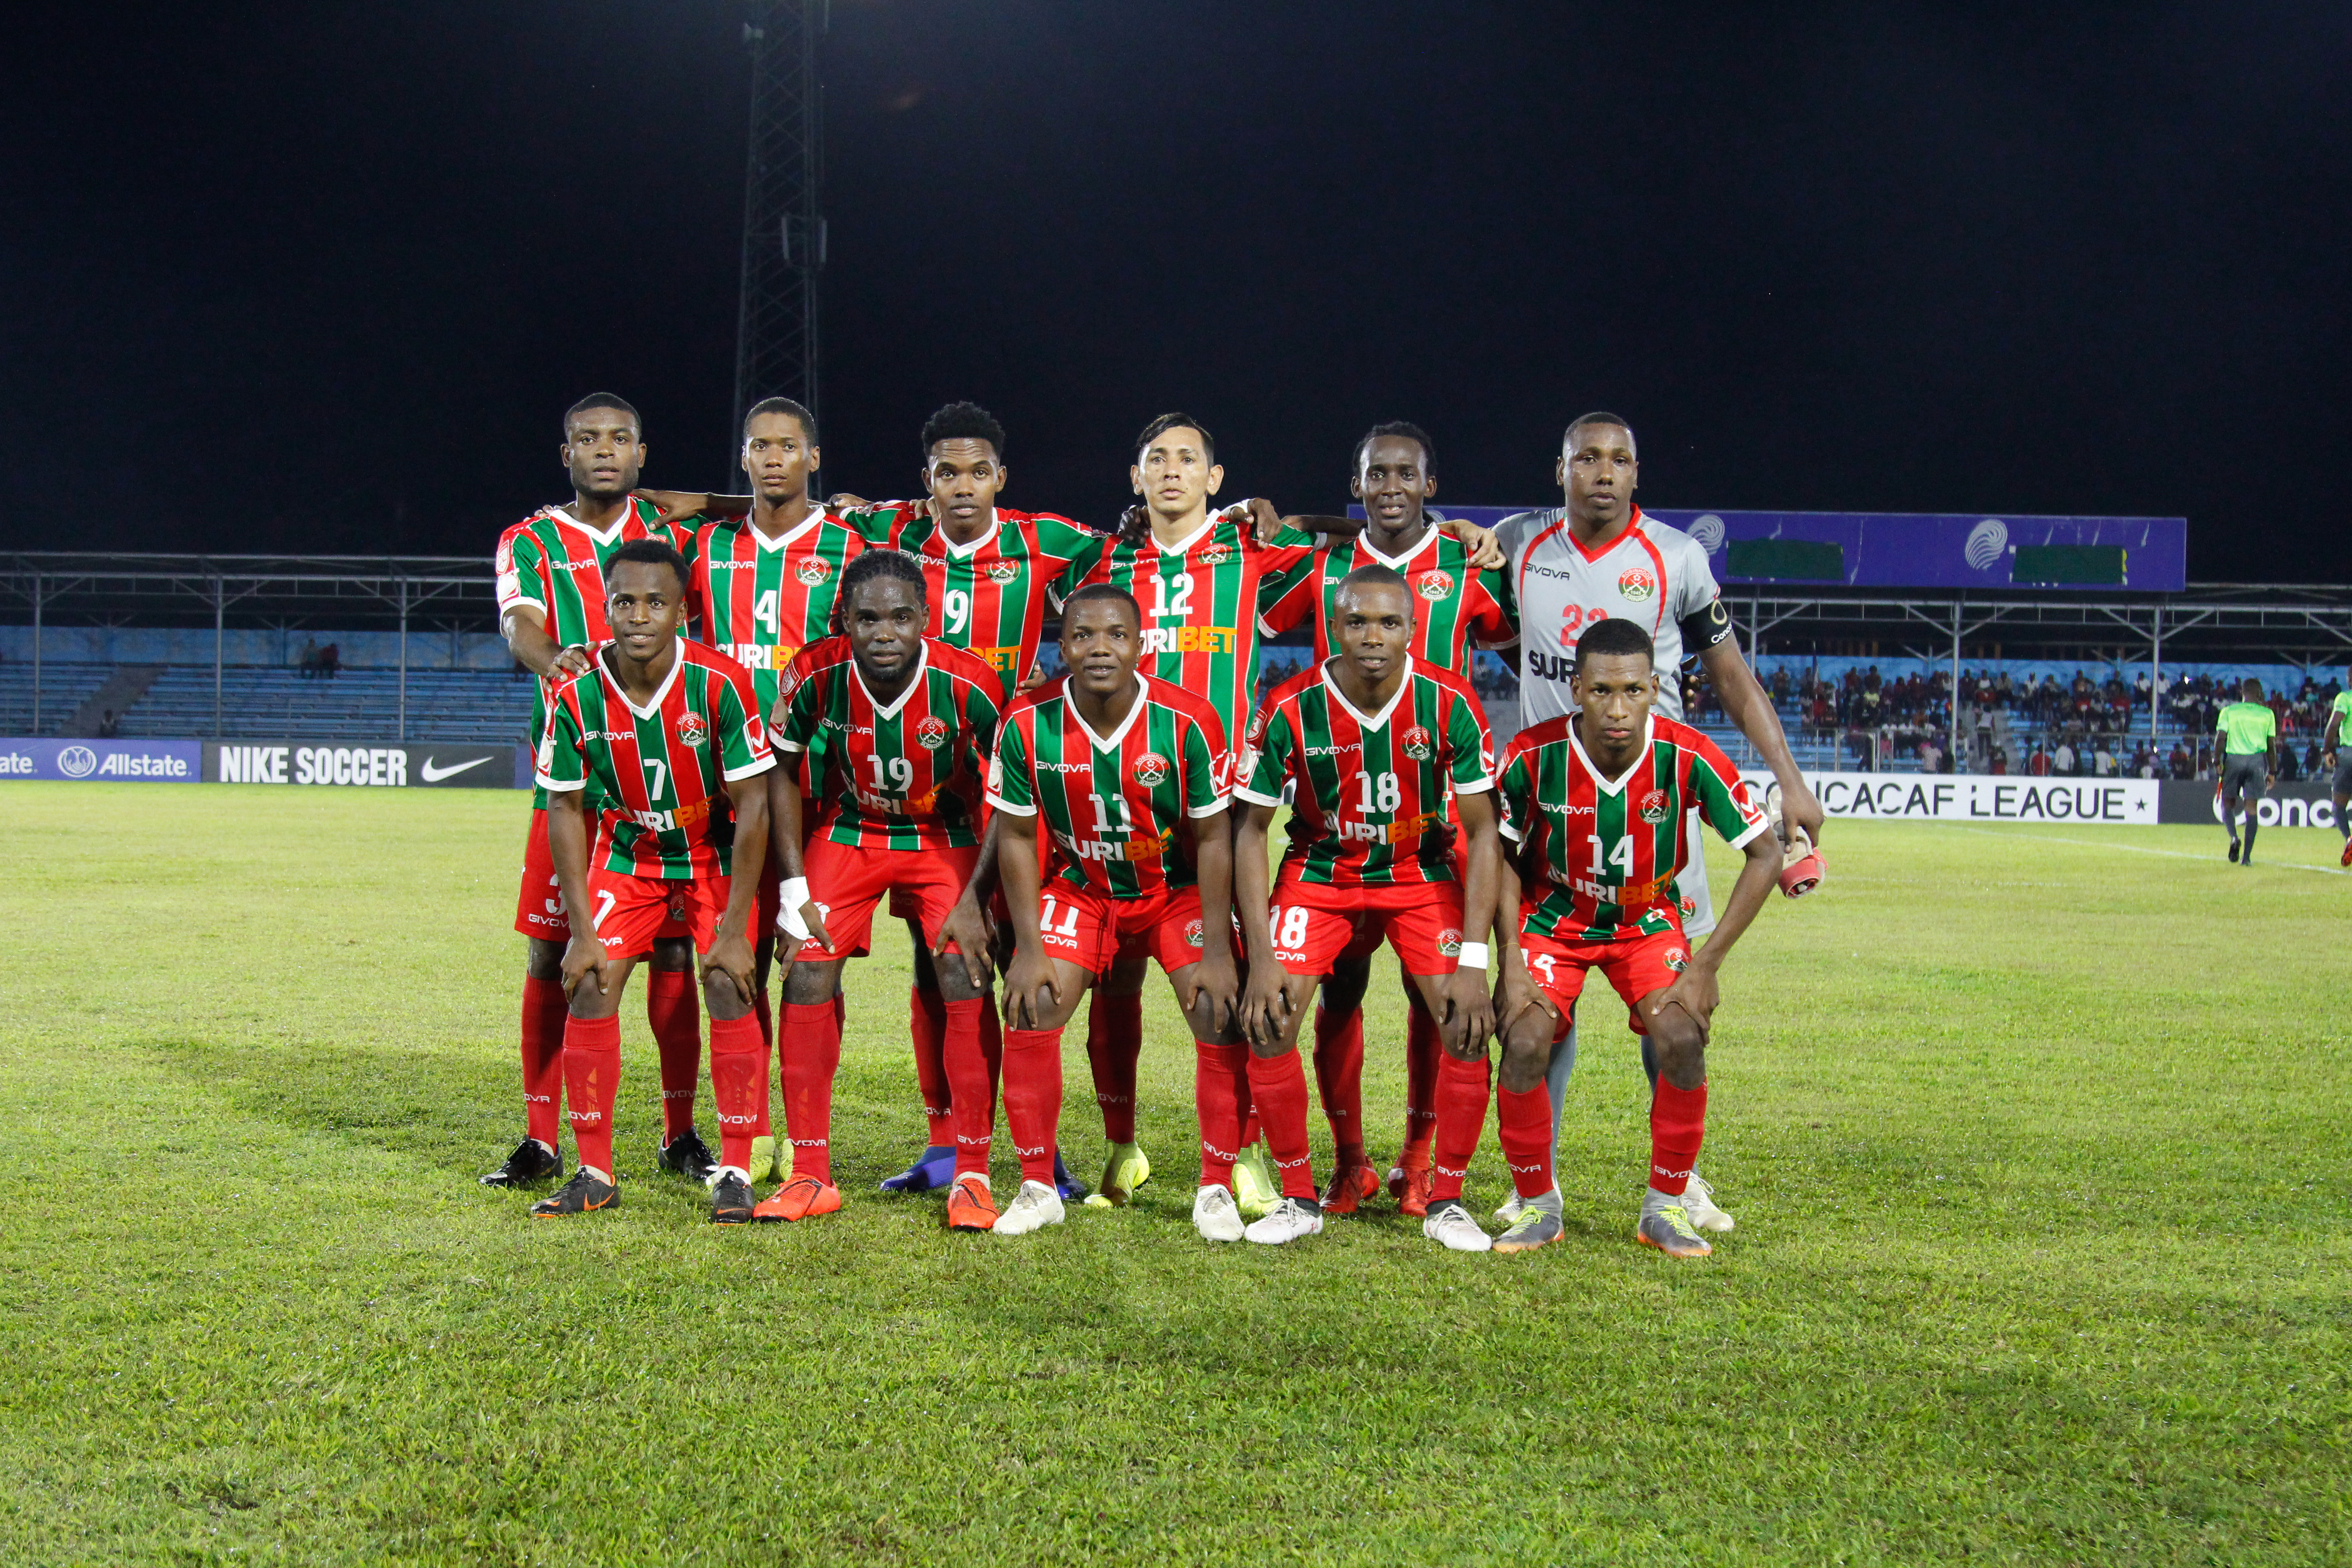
<point x="2035" y="1139"/>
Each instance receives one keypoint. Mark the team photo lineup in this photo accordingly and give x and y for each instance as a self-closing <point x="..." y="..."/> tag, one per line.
<point x="765" y="721"/>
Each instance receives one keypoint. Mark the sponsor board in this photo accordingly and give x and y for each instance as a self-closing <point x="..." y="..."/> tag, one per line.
<point x="102" y="762"/>
<point x="370" y="767"/>
<point x="2309" y="803"/>
<point x="1974" y="797"/>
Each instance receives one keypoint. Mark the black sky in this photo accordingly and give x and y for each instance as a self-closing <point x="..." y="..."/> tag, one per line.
<point x="323" y="277"/>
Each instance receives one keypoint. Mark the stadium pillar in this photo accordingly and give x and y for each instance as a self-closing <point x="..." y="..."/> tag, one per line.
<point x="403" y="661"/>
<point x="784" y="225"/>
<point x="37" y="656"/>
<point x="1954" y="747"/>
<point x="220" y="638"/>
<point x="2154" y="677"/>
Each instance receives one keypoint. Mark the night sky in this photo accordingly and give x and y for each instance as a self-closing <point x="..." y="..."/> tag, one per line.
<point x="323" y="278"/>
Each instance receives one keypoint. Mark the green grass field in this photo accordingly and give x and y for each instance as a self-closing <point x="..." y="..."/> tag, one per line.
<point x="2036" y="1141"/>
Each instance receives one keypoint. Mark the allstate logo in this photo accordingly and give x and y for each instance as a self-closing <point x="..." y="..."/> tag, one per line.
<point x="77" y="762"/>
<point x="1708" y="531"/>
<point x="1988" y="543"/>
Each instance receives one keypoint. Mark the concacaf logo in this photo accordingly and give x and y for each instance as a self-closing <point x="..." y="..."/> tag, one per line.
<point x="1196" y="934"/>
<point x="1214" y="553"/>
<point x="1417" y="743"/>
<point x="814" y="570"/>
<point x="1149" y="769"/>
<point x="1677" y="960"/>
<point x="1449" y="943"/>
<point x="1433" y="585"/>
<point x="1636" y="584"/>
<point x="931" y="733"/>
<point x="1653" y="807"/>
<point x="692" y="729"/>
<point x="1002" y="570"/>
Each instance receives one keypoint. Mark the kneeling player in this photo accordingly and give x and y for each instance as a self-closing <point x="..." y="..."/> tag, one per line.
<point x="895" y="728"/>
<point x="1595" y="803"/>
<point x="663" y="728"/>
<point x="1375" y="740"/>
<point x="1128" y="774"/>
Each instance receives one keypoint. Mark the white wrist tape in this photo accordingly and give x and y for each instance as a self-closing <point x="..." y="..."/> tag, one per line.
<point x="791" y="894"/>
<point x="1472" y="956"/>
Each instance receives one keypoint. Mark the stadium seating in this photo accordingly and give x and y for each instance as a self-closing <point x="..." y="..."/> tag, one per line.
<point x="273" y="703"/>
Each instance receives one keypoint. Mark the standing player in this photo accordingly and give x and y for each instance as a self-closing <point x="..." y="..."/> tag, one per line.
<point x="893" y="728"/>
<point x="1376" y="743"/>
<point x="1599" y="806"/>
<point x="2246" y="740"/>
<point x="1458" y="607"/>
<point x="668" y="731"/>
<point x="1126" y="774"/>
<point x="551" y="589"/>
<point x="1598" y="558"/>
<point x="2339" y="729"/>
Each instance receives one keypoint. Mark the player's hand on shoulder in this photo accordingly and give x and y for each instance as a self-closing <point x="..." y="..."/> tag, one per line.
<point x="842" y="501"/>
<point x="674" y="505"/>
<point x="1485" y="554"/>
<point x="576" y="659"/>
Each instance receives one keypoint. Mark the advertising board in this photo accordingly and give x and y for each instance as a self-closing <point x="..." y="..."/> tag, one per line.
<point x="102" y="762"/>
<point x="393" y="766"/>
<point x="1973" y="797"/>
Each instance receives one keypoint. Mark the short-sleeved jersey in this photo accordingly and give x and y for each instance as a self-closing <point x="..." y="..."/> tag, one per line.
<point x="1371" y="806"/>
<point x="1599" y="856"/>
<point x="662" y="769"/>
<point x="2246" y="729"/>
<point x="1118" y="808"/>
<point x="1455" y="608"/>
<point x="1200" y="602"/>
<point x="1650" y="573"/>
<point x="901" y="775"/>
<point x="2341" y="713"/>
<point x="760" y="600"/>
<point x="988" y="597"/>
<point x="552" y="563"/>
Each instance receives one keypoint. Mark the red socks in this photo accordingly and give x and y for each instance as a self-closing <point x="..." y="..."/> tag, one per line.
<point x="1677" y="1126"/>
<point x="972" y="1083"/>
<point x="592" y="1076"/>
<point x="763" y="1127"/>
<point x="1461" y="1118"/>
<point x="738" y="1084"/>
<point x="1113" y="1046"/>
<point x="544" y="1009"/>
<point x="1033" y="1097"/>
<point x="1278" y="1087"/>
<point x="1524" y="1118"/>
<point x="675" y="1015"/>
<point x="1423" y="1051"/>
<point x="927" y="1021"/>
<point x="1220" y="1088"/>
<point x="1340" y="1080"/>
<point x="811" y="1056"/>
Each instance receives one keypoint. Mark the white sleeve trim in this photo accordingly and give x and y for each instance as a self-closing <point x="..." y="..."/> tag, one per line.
<point x="1758" y="825"/>
<point x="1507" y="831"/>
<point x="794" y="747"/>
<point x="1006" y="806"/>
<point x="750" y="770"/>
<point x="1243" y="792"/>
<point x="1215" y="806"/>
<point x="1486" y="783"/>
<point x="556" y="786"/>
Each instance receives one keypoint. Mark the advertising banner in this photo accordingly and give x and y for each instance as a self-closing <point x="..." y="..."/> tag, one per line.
<point x="372" y="767"/>
<point x="102" y="761"/>
<point x="2307" y="803"/>
<point x="1974" y="797"/>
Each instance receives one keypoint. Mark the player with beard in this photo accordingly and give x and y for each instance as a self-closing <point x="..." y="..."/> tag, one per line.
<point x="669" y="733"/>
<point x="1599" y="558"/>
<point x="1383" y="753"/>
<point x="1599" y="806"/>
<point x="1457" y="608"/>
<point x="1126" y="775"/>
<point x="550" y="593"/>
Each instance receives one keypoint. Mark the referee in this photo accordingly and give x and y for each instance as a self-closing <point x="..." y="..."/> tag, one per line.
<point x="2247" y="739"/>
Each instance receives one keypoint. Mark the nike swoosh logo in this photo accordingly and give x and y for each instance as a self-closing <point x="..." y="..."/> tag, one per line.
<point x="431" y="775"/>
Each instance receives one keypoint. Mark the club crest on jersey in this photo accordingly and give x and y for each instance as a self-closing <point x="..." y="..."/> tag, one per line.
<point x="1433" y="585"/>
<point x="1653" y="807"/>
<point x="692" y="729"/>
<point x="1417" y="743"/>
<point x="1449" y="943"/>
<point x="1677" y="960"/>
<point x="1151" y="769"/>
<point x="1214" y="553"/>
<point x="1195" y="935"/>
<point x="931" y="733"/>
<point x="1689" y="907"/>
<point x="1636" y="584"/>
<point x="1002" y="570"/>
<point x="813" y="570"/>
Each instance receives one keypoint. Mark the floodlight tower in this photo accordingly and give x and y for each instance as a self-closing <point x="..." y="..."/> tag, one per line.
<point x="783" y="228"/>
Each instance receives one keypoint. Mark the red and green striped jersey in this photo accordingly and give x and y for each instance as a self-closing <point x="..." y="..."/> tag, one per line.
<point x="549" y="562"/>
<point x="989" y="597"/>
<point x="663" y="768"/>
<point x="1599" y="855"/>
<point x="760" y="600"/>
<point x="1370" y="808"/>
<point x="1200" y="602"/>
<point x="900" y="775"/>
<point x="1455" y="607"/>
<point x="1117" y="808"/>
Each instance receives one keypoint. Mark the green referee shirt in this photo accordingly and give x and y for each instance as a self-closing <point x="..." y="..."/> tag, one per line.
<point x="2342" y="713"/>
<point x="2246" y="729"/>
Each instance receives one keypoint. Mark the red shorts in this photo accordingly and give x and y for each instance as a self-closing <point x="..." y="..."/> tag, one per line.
<point x="631" y="910"/>
<point x="847" y="882"/>
<point x="1314" y="926"/>
<point x="1635" y="966"/>
<point x="1094" y="930"/>
<point x="538" y="908"/>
